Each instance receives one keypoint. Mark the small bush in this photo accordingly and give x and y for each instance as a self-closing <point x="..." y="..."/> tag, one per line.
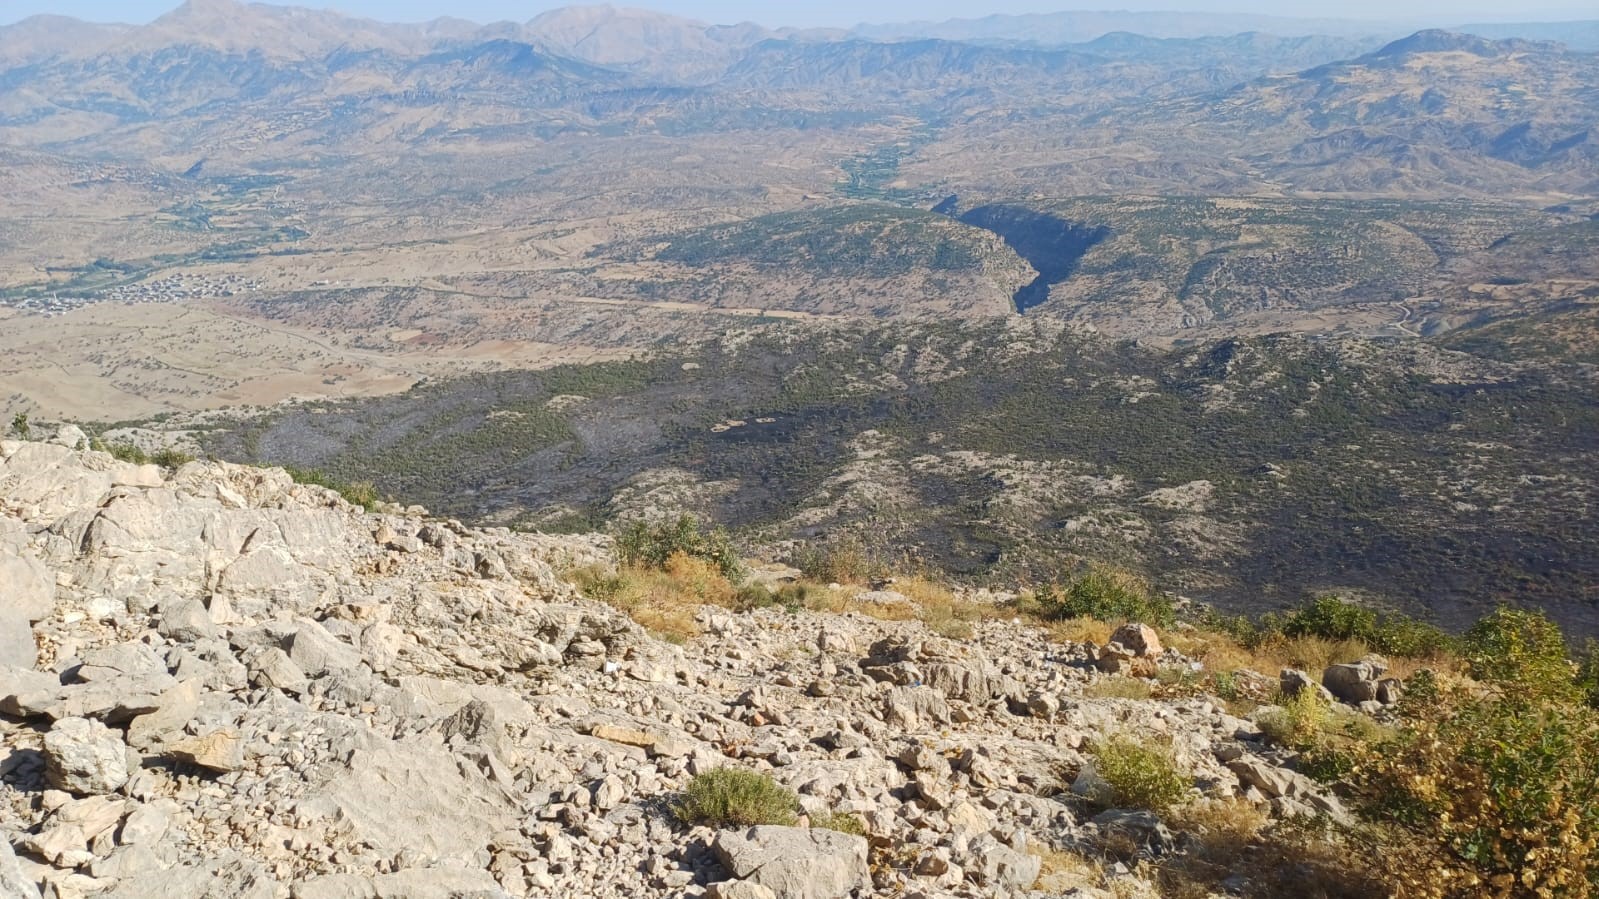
<point x="844" y="561"/>
<point x="122" y="452"/>
<point x="663" y="601"/>
<point x="166" y="457"/>
<point x="650" y="545"/>
<point x="1521" y="649"/>
<point x="1108" y="595"/>
<point x="736" y="797"/>
<point x="939" y="608"/>
<point x="850" y="824"/>
<point x="1141" y="774"/>
<point x="1588" y="673"/>
<point x="1299" y="722"/>
<point x="789" y="597"/>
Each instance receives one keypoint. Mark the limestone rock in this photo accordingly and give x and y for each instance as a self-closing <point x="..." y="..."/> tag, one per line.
<point x="13" y="884"/>
<point x="26" y="586"/>
<point x="1292" y="681"/>
<point x="17" y="646"/>
<point x="318" y="652"/>
<point x="1000" y="866"/>
<point x="1139" y="639"/>
<point x="795" y="863"/>
<point x="85" y="757"/>
<point x="738" y="889"/>
<point x="1355" y="682"/>
<point x="187" y="621"/>
<point x="220" y="750"/>
<point x="272" y="667"/>
<point x="178" y="707"/>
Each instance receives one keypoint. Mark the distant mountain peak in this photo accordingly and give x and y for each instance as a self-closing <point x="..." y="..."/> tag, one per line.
<point x="1437" y="40"/>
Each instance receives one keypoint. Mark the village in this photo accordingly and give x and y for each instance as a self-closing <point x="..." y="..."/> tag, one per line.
<point x="171" y="288"/>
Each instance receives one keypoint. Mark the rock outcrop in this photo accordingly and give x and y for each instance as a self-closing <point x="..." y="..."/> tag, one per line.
<point x="233" y="685"/>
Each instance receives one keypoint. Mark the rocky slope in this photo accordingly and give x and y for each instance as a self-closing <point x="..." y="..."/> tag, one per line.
<point x="221" y="683"/>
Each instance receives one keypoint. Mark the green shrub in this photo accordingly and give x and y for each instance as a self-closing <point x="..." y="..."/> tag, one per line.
<point x="789" y="597"/>
<point x="1299" y="722"/>
<point x="1107" y="595"/>
<point x="1588" y="672"/>
<point x="166" y="457"/>
<point x="123" y="452"/>
<point x="1331" y="618"/>
<point x="21" y="427"/>
<point x="1521" y="650"/>
<point x="651" y="545"/>
<point x="1503" y="789"/>
<point x="1141" y="774"/>
<point x="736" y="797"/>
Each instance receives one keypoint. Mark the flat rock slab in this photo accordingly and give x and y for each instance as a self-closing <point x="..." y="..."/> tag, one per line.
<point x="795" y="862"/>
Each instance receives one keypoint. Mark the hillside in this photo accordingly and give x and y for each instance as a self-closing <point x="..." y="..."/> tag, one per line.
<point x="218" y="682"/>
<point x="1247" y="473"/>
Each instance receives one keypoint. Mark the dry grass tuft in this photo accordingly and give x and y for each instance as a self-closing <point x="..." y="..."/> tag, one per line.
<point x="663" y="602"/>
<point x="1078" y="630"/>
<point x="1061" y="871"/>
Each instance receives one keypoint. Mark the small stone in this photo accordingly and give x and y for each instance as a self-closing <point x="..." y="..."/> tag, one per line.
<point x="221" y="750"/>
<point x="186" y="621"/>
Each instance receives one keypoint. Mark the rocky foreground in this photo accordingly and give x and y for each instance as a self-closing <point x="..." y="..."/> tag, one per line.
<point x="220" y="683"/>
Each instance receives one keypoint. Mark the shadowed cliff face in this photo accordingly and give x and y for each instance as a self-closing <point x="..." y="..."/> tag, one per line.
<point x="1053" y="246"/>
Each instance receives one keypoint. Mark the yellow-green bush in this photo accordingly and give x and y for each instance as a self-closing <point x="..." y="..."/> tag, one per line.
<point x="1141" y="774"/>
<point x="1504" y="790"/>
<point x="652" y="544"/>
<point x="1497" y="780"/>
<point x="1300" y="721"/>
<point x="736" y="797"/>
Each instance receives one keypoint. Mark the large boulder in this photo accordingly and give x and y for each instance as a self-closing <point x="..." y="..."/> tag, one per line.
<point x="85" y="757"/>
<point x="1355" y="682"/>
<point x="1293" y="681"/>
<point x="17" y="646"/>
<point x="26" y="587"/>
<point x="1138" y="639"/>
<point x="1001" y="867"/>
<point x="13" y="883"/>
<point x="795" y="862"/>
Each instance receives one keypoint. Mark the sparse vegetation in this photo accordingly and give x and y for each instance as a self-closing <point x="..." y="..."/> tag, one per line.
<point x="663" y="600"/>
<point x="1141" y="773"/>
<point x="1332" y="618"/>
<point x="1106" y="594"/>
<point x="1300" y="723"/>
<point x="655" y="544"/>
<point x="844" y="561"/>
<point x="841" y="822"/>
<point x="166" y="457"/>
<point x="736" y="797"/>
<point x="1500" y="792"/>
<point x="356" y="493"/>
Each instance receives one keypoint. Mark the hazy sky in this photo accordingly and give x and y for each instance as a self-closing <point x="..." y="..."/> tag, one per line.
<point x="841" y="12"/>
